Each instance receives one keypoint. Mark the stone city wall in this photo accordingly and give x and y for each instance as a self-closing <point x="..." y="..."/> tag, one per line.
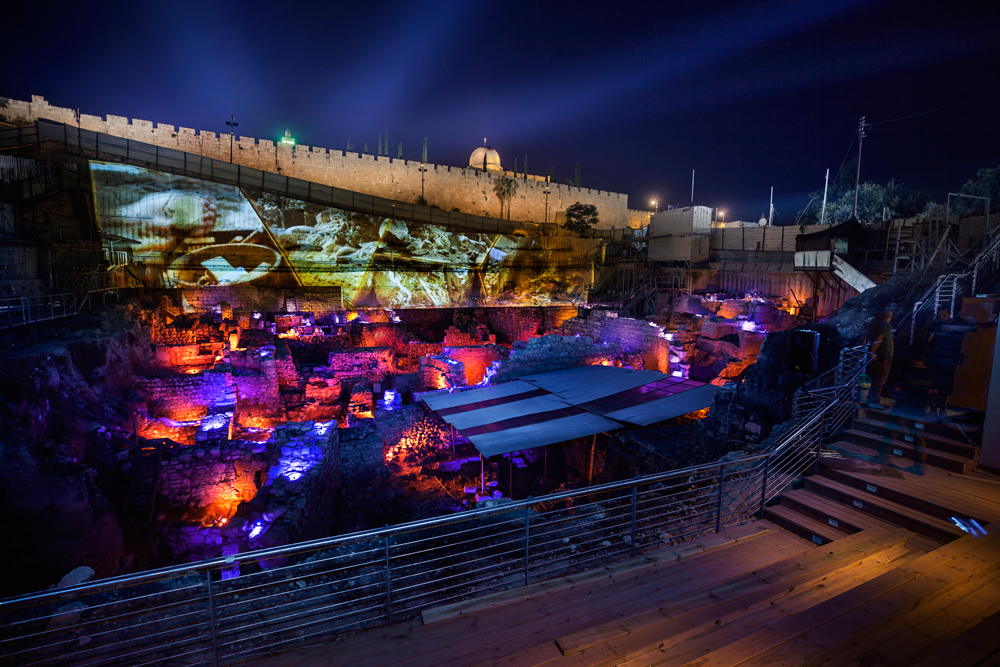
<point x="184" y="397"/>
<point x="468" y="190"/>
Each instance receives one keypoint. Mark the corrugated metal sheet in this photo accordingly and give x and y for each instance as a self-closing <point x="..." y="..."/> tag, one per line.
<point x="783" y="285"/>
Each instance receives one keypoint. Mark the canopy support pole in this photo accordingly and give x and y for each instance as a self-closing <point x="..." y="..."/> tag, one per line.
<point x="590" y="468"/>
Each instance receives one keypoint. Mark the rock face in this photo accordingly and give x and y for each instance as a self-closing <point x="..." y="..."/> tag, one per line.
<point x="54" y="519"/>
<point x="53" y="396"/>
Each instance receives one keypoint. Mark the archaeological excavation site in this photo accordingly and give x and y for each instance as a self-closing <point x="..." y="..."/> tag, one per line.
<point x="256" y="406"/>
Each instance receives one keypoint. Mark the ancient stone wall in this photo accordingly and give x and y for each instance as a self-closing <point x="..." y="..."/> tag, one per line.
<point x="468" y="190"/>
<point x="545" y="354"/>
<point x="440" y="371"/>
<point x="476" y="359"/>
<point x="637" y="337"/>
<point x="515" y="323"/>
<point x="184" y="397"/>
<point x="638" y="219"/>
<point x="370" y="363"/>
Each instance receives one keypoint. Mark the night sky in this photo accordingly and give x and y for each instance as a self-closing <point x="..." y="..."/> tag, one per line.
<point x="749" y="94"/>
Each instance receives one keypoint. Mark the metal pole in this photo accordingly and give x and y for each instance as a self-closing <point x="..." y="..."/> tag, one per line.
<point x="590" y="468"/>
<point x="763" y="486"/>
<point x="826" y="184"/>
<point x="482" y="475"/>
<point x="857" y="175"/>
<point x="211" y="617"/>
<point x="527" y="540"/>
<point x="388" y="583"/>
<point x="718" y="514"/>
<point x="635" y="502"/>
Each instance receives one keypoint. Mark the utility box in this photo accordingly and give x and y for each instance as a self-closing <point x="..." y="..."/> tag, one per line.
<point x="682" y="222"/>
<point x="679" y="248"/>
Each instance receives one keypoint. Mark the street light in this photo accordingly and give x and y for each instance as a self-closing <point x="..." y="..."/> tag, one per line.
<point x="546" y="191"/>
<point x="656" y="206"/>
<point x="232" y="126"/>
<point x="422" y="169"/>
<point x="723" y="214"/>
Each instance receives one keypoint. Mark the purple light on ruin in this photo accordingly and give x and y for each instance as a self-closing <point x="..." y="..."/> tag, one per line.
<point x="322" y="428"/>
<point x="391" y="399"/>
<point x="668" y="336"/>
<point x="292" y="476"/>
<point x="490" y="373"/>
<point x="214" y="422"/>
<point x="748" y="325"/>
<point x="678" y="374"/>
<point x="257" y="529"/>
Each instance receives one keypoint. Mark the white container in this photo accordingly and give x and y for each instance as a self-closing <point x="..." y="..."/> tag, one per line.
<point x="682" y="222"/>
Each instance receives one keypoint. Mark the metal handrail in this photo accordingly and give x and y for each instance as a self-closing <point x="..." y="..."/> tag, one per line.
<point x="200" y="613"/>
<point x="21" y="310"/>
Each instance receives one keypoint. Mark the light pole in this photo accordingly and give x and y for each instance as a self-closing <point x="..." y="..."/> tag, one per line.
<point x="422" y="169"/>
<point x="656" y="206"/>
<point x="232" y="126"/>
<point x="546" y="191"/>
<point x="723" y="215"/>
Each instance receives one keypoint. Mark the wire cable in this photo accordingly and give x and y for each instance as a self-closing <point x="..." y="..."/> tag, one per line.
<point x="922" y="113"/>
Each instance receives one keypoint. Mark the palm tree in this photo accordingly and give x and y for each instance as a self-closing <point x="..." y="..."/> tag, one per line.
<point x="505" y="190"/>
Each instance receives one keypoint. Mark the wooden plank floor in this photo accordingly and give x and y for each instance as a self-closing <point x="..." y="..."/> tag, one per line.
<point x="755" y="595"/>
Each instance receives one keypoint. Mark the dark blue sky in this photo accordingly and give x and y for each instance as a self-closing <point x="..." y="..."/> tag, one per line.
<point x="749" y="94"/>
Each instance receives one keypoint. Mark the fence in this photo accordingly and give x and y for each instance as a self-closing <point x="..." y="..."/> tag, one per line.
<point x="16" y="311"/>
<point x="105" y="146"/>
<point x="240" y="606"/>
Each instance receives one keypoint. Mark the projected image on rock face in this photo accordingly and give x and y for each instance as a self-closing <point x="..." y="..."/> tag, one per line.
<point x="192" y="233"/>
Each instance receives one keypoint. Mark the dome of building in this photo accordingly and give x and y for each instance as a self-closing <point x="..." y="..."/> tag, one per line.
<point x="485" y="157"/>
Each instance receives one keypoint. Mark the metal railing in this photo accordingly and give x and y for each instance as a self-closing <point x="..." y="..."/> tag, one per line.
<point x="16" y="311"/>
<point x="240" y="606"/>
<point x="947" y="289"/>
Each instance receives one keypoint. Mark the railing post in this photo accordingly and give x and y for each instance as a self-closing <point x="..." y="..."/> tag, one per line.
<point x="211" y="617"/>
<point x="388" y="583"/>
<point x="718" y="513"/>
<point x="763" y="486"/>
<point x="635" y="502"/>
<point x="527" y="539"/>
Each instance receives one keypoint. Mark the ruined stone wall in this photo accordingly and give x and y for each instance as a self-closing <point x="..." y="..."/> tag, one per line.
<point x="440" y="371"/>
<point x="636" y="337"/>
<point x="515" y="323"/>
<point x="360" y="450"/>
<point x="383" y="334"/>
<point x="370" y="363"/>
<point x="469" y="190"/>
<point x="323" y="301"/>
<point x="476" y="359"/>
<point x="184" y="397"/>
<point x="208" y="482"/>
<point x="553" y="353"/>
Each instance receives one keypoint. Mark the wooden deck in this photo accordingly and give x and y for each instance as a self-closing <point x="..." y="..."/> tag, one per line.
<point x="894" y="583"/>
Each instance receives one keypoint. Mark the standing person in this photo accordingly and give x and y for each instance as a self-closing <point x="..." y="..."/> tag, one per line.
<point x="880" y="333"/>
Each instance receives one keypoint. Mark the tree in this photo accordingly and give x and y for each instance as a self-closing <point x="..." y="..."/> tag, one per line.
<point x="366" y="148"/>
<point x="985" y="184"/>
<point x="349" y="144"/>
<point x="875" y="204"/>
<point x="424" y="158"/>
<point x="380" y="145"/>
<point x="580" y="218"/>
<point x="399" y="153"/>
<point x="505" y="190"/>
<point x="525" y="165"/>
<point x="576" y="179"/>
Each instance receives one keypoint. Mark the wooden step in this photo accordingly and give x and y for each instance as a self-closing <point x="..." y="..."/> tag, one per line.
<point x="711" y="543"/>
<point x="817" y="635"/>
<point x="909" y="493"/>
<point x="766" y="584"/>
<point x="975" y="646"/>
<point x="802" y="525"/>
<point x="892" y="447"/>
<point x="928" y="627"/>
<point x="900" y="515"/>
<point x="835" y="514"/>
<point x="910" y="435"/>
